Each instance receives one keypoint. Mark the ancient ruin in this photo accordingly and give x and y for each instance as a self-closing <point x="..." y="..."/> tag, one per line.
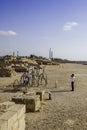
<point x="12" y="116"/>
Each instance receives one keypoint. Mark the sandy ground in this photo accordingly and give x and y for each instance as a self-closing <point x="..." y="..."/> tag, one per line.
<point x="67" y="110"/>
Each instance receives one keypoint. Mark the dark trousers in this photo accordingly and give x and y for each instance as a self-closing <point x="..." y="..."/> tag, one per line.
<point x="72" y="85"/>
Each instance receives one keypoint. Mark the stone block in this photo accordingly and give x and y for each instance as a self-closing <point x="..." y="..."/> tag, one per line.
<point x="13" y="118"/>
<point x="15" y="126"/>
<point x="21" y="123"/>
<point x="18" y="100"/>
<point x="32" y="103"/>
<point x="3" y="125"/>
<point x="19" y="109"/>
<point x="42" y="94"/>
<point x="10" y="118"/>
<point x="5" y="105"/>
<point x="21" y="128"/>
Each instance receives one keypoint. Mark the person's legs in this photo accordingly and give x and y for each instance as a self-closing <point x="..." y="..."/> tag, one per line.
<point x="72" y="85"/>
<point x="24" y="82"/>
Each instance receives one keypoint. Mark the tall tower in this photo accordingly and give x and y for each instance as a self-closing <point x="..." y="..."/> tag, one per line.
<point x="50" y="53"/>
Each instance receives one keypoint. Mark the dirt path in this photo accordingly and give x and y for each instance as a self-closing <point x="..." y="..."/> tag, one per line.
<point x="67" y="110"/>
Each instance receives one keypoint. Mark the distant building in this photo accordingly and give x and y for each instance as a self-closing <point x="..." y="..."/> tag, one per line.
<point x="13" y="53"/>
<point x="50" y="54"/>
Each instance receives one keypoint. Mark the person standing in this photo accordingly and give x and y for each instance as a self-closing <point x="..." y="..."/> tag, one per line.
<point x="26" y="78"/>
<point x="72" y="81"/>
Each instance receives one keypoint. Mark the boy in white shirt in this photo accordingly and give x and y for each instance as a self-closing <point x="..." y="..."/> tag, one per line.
<point x="72" y="81"/>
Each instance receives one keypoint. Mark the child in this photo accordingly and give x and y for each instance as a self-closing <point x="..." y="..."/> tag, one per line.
<point x="26" y="78"/>
<point x="72" y="81"/>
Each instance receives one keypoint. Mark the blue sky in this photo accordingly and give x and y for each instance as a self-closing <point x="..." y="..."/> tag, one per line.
<point x="35" y="26"/>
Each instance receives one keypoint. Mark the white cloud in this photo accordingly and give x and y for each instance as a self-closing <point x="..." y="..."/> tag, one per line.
<point x="8" y="33"/>
<point x="70" y="25"/>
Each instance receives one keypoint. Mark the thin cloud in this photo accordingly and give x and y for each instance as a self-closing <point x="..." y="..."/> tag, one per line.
<point x="7" y="33"/>
<point x="70" y="25"/>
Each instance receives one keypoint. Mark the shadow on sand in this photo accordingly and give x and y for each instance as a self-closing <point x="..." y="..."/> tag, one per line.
<point x="56" y="91"/>
<point x="10" y="90"/>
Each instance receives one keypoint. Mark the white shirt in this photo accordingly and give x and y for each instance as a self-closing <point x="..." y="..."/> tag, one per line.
<point x="73" y="79"/>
